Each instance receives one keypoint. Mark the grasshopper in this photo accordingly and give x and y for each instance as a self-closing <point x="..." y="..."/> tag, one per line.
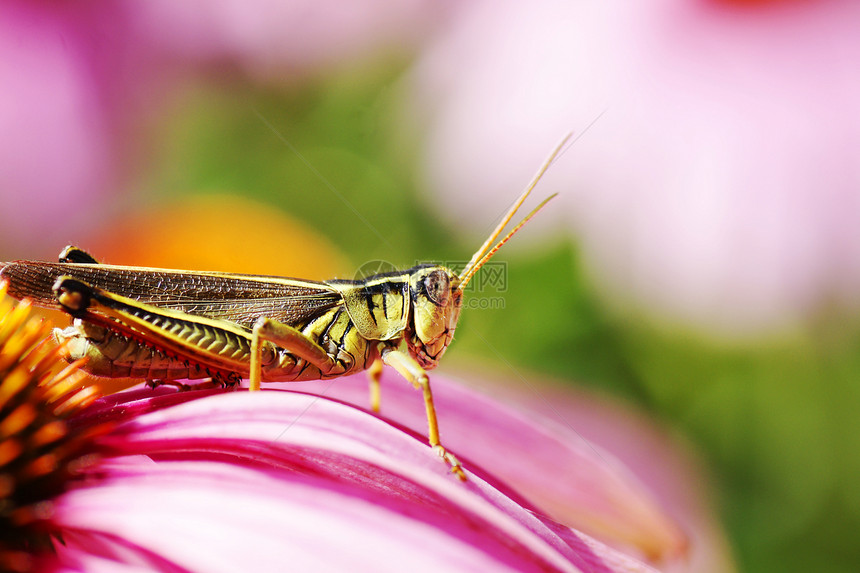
<point x="165" y="325"/>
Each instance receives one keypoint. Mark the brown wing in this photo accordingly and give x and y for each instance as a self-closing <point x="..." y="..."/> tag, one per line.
<point x="234" y="297"/>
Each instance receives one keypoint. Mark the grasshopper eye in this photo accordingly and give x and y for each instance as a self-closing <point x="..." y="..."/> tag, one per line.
<point x="436" y="286"/>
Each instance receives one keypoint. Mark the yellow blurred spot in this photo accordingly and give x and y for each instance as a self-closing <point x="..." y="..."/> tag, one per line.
<point x="218" y="233"/>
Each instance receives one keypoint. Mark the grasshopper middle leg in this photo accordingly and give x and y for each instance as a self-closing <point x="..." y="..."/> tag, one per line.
<point x="374" y="374"/>
<point x="273" y="332"/>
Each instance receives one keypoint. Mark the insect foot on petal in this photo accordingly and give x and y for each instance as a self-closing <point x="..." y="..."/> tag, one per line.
<point x="451" y="460"/>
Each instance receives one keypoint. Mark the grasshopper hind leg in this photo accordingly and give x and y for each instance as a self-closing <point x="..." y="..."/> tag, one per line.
<point x="153" y="384"/>
<point x="227" y="383"/>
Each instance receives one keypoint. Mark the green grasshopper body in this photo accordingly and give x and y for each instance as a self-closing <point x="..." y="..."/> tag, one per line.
<point x="173" y="325"/>
<point x="167" y="325"/>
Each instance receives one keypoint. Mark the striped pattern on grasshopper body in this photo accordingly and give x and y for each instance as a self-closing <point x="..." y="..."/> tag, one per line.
<point x="171" y="325"/>
<point x="165" y="325"/>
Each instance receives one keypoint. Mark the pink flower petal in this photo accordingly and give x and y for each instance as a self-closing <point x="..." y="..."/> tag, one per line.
<point x="367" y="497"/>
<point x="267" y="36"/>
<point x="566" y="476"/>
<point x="55" y="145"/>
<point x="597" y="494"/>
<point x="671" y="473"/>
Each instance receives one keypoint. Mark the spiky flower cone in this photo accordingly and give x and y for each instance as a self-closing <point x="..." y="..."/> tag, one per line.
<point x="39" y="454"/>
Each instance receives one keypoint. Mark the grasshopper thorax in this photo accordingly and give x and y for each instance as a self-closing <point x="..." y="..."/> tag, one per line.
<point x="435" y="298"/>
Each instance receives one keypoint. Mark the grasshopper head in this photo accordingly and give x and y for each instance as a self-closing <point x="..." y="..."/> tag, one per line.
<point x="437" y="292"/>
<point x="436" y="299"/>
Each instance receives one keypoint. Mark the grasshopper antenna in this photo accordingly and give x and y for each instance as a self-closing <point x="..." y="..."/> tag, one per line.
<point x="484" y="254"/>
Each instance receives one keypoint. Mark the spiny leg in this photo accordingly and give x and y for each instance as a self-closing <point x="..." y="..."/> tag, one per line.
<point x="231" y="381"/>
<point x="409" y="368"/>
<point x="374" y="373"/>
<point x="228" y="382"/>
<point x="184" y="387"/>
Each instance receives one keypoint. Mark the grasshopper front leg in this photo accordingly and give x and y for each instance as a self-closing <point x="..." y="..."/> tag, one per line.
<point x="409" y="368"/>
